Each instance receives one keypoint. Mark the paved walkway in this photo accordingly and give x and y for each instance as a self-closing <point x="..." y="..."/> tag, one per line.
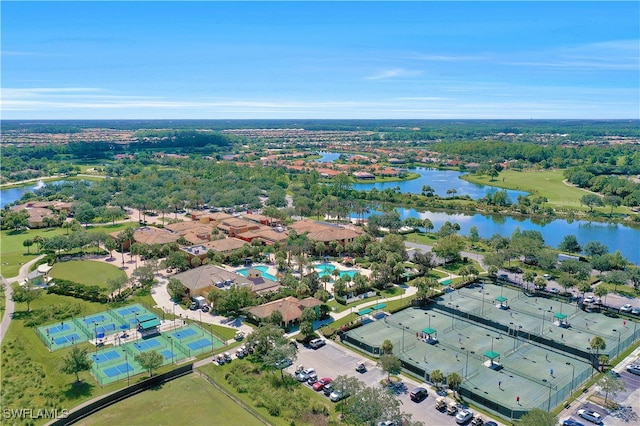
<point x="9" y="304"/>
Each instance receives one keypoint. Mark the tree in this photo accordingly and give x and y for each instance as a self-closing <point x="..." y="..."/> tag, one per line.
<point x="595" y="248"/>
<point x="611" y="385"/>
<point x="116" y="283"/>
<point x="75" y="361"/>
<point x="538" y="417"/>
<point x="617" y="278"/>
<point x="591" y="200"/>
<point x="473" y="236"/>
<point x="598" y="344"/>
<point x="28" y="243"/>
<point x="15" y="220"/>
<point x="150" y="360"/>
<point x="437" y="377"/>
<point x="110" y="244"/>
<point x="276" y="318"/>
<point x="601" y="291"/>
<point x="390" y="364"/>
<point x="570" y="244"/>
<point x="176" y="289"/>
<point x="613" y="201"/>
<point x="26" y="293"/>
<point x="449" y="247"/>
<point x="84" y="212"/>
<point x="454" y="381"/>
<point x="387" y="347"/>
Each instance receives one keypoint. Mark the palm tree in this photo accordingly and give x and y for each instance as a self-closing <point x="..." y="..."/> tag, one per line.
<point x="387" y="347"/>
<point x="598" y="344"/>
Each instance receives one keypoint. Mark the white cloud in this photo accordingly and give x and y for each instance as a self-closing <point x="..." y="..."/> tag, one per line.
<point x="393" y="73"/>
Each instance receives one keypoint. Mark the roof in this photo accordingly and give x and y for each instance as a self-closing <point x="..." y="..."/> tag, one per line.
<point x="151" y="235"/>
<point x="491" y="354"/>
<point x="226" y="244"/>
<point x="290" y="307"/>
<point x="149" y="324"/>
<point x="206" y="276"/>
<point x="429" y="330"/>
<point x="183" y="228"/>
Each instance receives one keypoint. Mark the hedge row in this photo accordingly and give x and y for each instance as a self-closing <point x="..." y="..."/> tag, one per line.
<point x="81" y="291"/>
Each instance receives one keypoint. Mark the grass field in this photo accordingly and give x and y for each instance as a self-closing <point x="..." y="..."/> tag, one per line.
<point x="548" y="183"/>
<point x="189" y="400"/>
<point x="86" y="272"/>
<point x="14" y="254"/>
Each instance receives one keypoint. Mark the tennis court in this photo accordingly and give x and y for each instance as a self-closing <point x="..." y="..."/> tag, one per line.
<point x="183" y="334"/>
<point x="95" y="319"/>
<point x="105" y="356"/>
<point x="117" y="370"/>
<point x="64" y="340"/>
<point x="55" y="329"/>
<point x="199" y="344"/>
<point x="501" y="341"/>
<point x="143" y="345"/>
<point x="167" y="355"/>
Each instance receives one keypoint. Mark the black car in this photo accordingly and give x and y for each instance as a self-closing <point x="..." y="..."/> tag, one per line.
<point x="418" y="394"/>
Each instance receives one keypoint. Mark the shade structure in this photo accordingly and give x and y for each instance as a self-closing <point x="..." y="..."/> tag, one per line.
<point x="492" y="355"/>
<point x="364" y="311"/>
<point x="429" y="330"/>
<point x="560" y="316"/>
<point x="379" y="306"/>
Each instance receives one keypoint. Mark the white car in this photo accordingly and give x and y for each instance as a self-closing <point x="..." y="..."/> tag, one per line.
<point x="316" y="343"/>
<point x="303" y="376"/>
<point x="546" y="276"/>
<point x="589" y="299"/>
<point x="590" y="415"/>
<point x="463" y="416"/>
<point x="634" y="368"/>
<point x="626" y="308"/>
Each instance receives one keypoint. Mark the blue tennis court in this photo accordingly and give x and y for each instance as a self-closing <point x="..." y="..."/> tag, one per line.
<point x="141" y="346"/>
<point x="58" y="328"/>
<point x="167" y="354"/>
<point x="199" y="344"/>
<point x="118" y="369"/>
<point x="129" y="311"/>
<point x="183" y="334"/>
<point x="95" y="318"/>
<point x="73" y="338"/>
<point x="105" y="328"/>
<point x="105" y="356"/>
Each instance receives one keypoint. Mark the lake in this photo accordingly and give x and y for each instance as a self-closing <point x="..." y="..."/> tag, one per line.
<point x="9" y="195"/>
<point x="441" y="181"/>
<point x="327" y="157"/>
<point x="614" y="236"/>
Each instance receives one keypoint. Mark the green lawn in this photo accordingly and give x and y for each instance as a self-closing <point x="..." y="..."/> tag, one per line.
<point x="189" y="400"/>
<point x="548" y="183"/>
<point x="14" y="254"/>
<point x="86" y="272"/>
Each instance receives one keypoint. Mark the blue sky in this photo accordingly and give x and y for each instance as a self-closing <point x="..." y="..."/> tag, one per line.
<point x="213" y="60"/>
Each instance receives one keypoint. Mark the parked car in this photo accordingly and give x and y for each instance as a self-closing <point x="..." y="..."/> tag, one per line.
<point x="284" y="363"/>
<point x="452" y="408"/>
<point x="634" y="369"/>
<point x="312" y="378"/>
<point x="491" y="423"/>
<point x="418" y="394"/>
<point x="303" y="376"/>
<point x="328" y="388"/>
<point x="361" y="367"/>
<point x="317" y="343"/>
<point x="206" y="308"/>
<point x="635" y="311"/>
<point x="477" y="420"/>
<point x="227" y="357"/>
<point x="626" y="308"/>
<point x="589" y="299"/>
<point x="463" y="416"/>
<point x="592" y="416"/>
<point x="571" y="422"/>
<point x="338" y="395"/>
<point x="554" y="290"/>
<point x="546" y="277"/>
<point x="503" y="276"/>
<point x="441" y="403"/>
<point x="319" y="385"/>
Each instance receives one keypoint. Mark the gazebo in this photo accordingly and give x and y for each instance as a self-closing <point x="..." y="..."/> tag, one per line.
<point x="491" y="358"/>
<point x="501" y="302"/>
<point x="561" y="320"/>
<point x="430" y="335"/>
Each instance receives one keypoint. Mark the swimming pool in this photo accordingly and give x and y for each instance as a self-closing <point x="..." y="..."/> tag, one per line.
<point x="327" y="269"/>
<point x="263" y="271"/>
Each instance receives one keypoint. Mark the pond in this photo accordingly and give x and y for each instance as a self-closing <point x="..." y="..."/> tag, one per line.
<point x="441" y="181"/>
<point x="327" y="157"/>
<point x="614" y="236"/>
<point x="9" y="195"/>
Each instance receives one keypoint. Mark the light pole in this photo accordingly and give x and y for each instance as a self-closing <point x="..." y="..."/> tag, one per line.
<point x="549" y="400"/>
<point x="171" y="340"/>
<point x="466" y="364"/>
<point x="211" y="336"/>
<point x="573" y="373"/>
<point x="126" y="364"/>
<point x="95" y="333"/>
<point x="618" y="351"/>
<point x="543" y="313"/>
<point x="174" y="314"/>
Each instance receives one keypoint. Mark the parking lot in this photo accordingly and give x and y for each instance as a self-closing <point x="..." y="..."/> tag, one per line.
<point x="333" y="360"/>
<point x="630" y="397"/>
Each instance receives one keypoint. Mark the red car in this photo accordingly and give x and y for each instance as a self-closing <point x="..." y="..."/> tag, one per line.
<point x="317" y="386"/>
